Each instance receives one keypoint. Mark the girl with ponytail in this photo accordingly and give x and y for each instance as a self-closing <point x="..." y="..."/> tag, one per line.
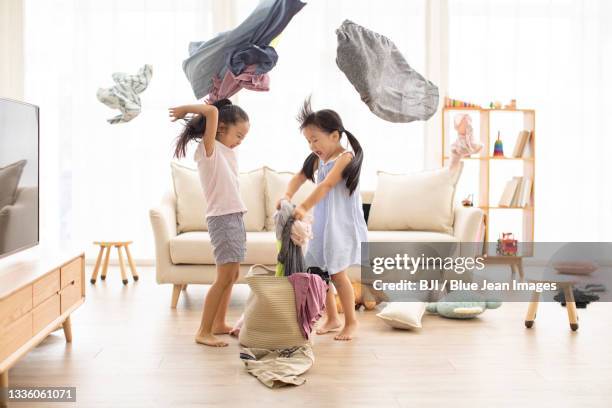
<point x="339" y="226"/>
<point x="218" y="129"/>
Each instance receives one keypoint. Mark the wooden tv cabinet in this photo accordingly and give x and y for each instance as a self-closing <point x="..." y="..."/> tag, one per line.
<point x="36" y="297"/>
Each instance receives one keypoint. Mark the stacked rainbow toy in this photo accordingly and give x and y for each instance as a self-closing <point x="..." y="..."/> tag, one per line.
<point x="498" y="147"/>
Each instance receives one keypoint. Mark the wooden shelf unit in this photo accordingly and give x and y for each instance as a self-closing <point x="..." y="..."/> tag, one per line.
<point x="487" y="137"/>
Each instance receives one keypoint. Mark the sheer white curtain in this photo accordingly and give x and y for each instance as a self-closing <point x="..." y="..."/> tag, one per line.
<point x="99" y="180"/>
<point x="307" y="65"/>
<point x="555" y="57"/>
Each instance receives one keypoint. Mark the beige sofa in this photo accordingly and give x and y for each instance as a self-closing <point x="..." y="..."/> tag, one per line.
<point x="182" y="243"/>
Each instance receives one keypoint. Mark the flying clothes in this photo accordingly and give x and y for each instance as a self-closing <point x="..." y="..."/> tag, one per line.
<point x="244" y="46"/>
<point x="124" y="95"/>
<point x="386" y="83"/>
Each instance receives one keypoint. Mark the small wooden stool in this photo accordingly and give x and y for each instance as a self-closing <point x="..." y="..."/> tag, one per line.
<point x="106" y="245"/>
<point x="570" y="305"/>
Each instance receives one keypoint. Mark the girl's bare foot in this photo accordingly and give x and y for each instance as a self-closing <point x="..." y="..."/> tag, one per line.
<point x="329" y="326"/>
<point x="347" y="332"/>
<point x="210" y="340"/>
<point x="224" y="329"/>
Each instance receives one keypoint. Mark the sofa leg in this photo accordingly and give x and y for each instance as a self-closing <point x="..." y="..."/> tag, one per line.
<point x="176" y="292"/>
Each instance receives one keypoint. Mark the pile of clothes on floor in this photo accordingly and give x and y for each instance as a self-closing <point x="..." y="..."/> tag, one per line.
<point x="276" y="340"/>
<point x="583" y="295"/>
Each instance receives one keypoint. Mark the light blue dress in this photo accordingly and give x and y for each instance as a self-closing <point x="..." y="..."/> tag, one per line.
<point x="338" y="228"/>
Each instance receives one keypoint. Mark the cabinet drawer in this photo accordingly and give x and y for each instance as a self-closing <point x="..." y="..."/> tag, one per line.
<point x="46" y="287"/>
<point x="70" y="295"/>
<point x="15" y="306"/>
<point x="46" y="312"/>
<point x="71" y="271"/>
<point x="15" y="335"/>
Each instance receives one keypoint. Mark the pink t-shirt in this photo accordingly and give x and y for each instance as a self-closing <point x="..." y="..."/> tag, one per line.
<point x="219" y="178"/>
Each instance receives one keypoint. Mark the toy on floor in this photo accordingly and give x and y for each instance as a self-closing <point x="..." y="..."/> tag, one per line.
<point x="365" y="296"/>
<point x="124" y="94"/>
<point x="387" y="84"/>
<point x="461" y="305"/>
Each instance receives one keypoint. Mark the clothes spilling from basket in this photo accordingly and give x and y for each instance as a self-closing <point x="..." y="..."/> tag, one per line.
<point x="276" y="342"/>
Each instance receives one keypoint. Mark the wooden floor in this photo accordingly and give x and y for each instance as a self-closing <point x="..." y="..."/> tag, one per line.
<point x="131" y="350"/>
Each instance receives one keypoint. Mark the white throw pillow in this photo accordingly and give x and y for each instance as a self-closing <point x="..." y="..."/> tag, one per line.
<point x="275" y="188"/>
<point x="191" y="203"/>
<point x="403" y="315"/>
<point x="419" y="202"/>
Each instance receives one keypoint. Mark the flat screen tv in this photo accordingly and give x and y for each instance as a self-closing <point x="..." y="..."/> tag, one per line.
<point x="19" y="176"/>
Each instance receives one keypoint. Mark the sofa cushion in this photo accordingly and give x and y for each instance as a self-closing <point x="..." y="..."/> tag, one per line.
<point x="191" y="204"/>
<point x="410" y="236"/>
<point x="195" y="248"/>
<point x="275" y="188"/>
<point x="420" y="201"/>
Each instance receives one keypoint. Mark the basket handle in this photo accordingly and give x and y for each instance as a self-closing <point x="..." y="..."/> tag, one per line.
<point x="253" y="267"/>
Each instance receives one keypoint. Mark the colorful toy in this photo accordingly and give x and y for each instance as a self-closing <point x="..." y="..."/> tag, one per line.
<point x="468" y="201"/>
<point x="495" y="105"/>
<point x="365" y="296"/>
<point x="511" y="105"/>
<point x="507" y="245"/>
<point x="462" y="305"/>
<point x="455" y="103"/>
<point x="498" y="147"/>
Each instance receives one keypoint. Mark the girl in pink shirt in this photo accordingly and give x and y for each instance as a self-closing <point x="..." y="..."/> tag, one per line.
<point x="218" y="129"/>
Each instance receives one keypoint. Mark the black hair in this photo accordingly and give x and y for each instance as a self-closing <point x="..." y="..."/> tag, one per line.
<point x="229" y="114"/>
<point x="329" y="121"/>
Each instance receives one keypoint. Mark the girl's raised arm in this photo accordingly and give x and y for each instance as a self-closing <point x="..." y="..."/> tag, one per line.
<point x="211" y="116"/>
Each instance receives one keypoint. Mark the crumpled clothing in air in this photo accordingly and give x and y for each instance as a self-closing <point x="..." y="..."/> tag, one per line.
<point x="124" y="95"/>
<point x="209" y="59"/>
<point x="388" y="85"/>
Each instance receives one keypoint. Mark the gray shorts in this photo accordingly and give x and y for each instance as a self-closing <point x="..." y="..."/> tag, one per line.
<point x="228" y="237"/>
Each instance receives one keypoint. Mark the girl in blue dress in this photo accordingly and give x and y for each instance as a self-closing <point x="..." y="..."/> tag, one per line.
<point x="339" y="226"/>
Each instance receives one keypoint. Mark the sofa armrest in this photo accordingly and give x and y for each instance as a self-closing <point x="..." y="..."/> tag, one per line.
<point x="163" y="222"/>
<point x="467" y="224"/>
<point x="18" y="223"/>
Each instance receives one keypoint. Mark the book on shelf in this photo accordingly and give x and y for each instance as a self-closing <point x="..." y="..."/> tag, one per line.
<point x="522" y="141"/>
<point x="509" y="192"/>
<point x="517" y="193"/>
<point x="525" y="195"/>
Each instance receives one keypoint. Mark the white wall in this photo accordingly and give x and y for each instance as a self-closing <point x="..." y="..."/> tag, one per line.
<point x="11" y="49"/>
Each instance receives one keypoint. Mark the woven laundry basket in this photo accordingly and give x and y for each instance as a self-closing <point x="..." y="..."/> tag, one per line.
<point x="270" y="316"/>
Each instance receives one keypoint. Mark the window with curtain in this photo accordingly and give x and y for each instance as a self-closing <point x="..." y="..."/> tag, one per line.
<point x="99" y="180"/>
<point x="552" y="56"/>
<point x="307" y="66"/>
